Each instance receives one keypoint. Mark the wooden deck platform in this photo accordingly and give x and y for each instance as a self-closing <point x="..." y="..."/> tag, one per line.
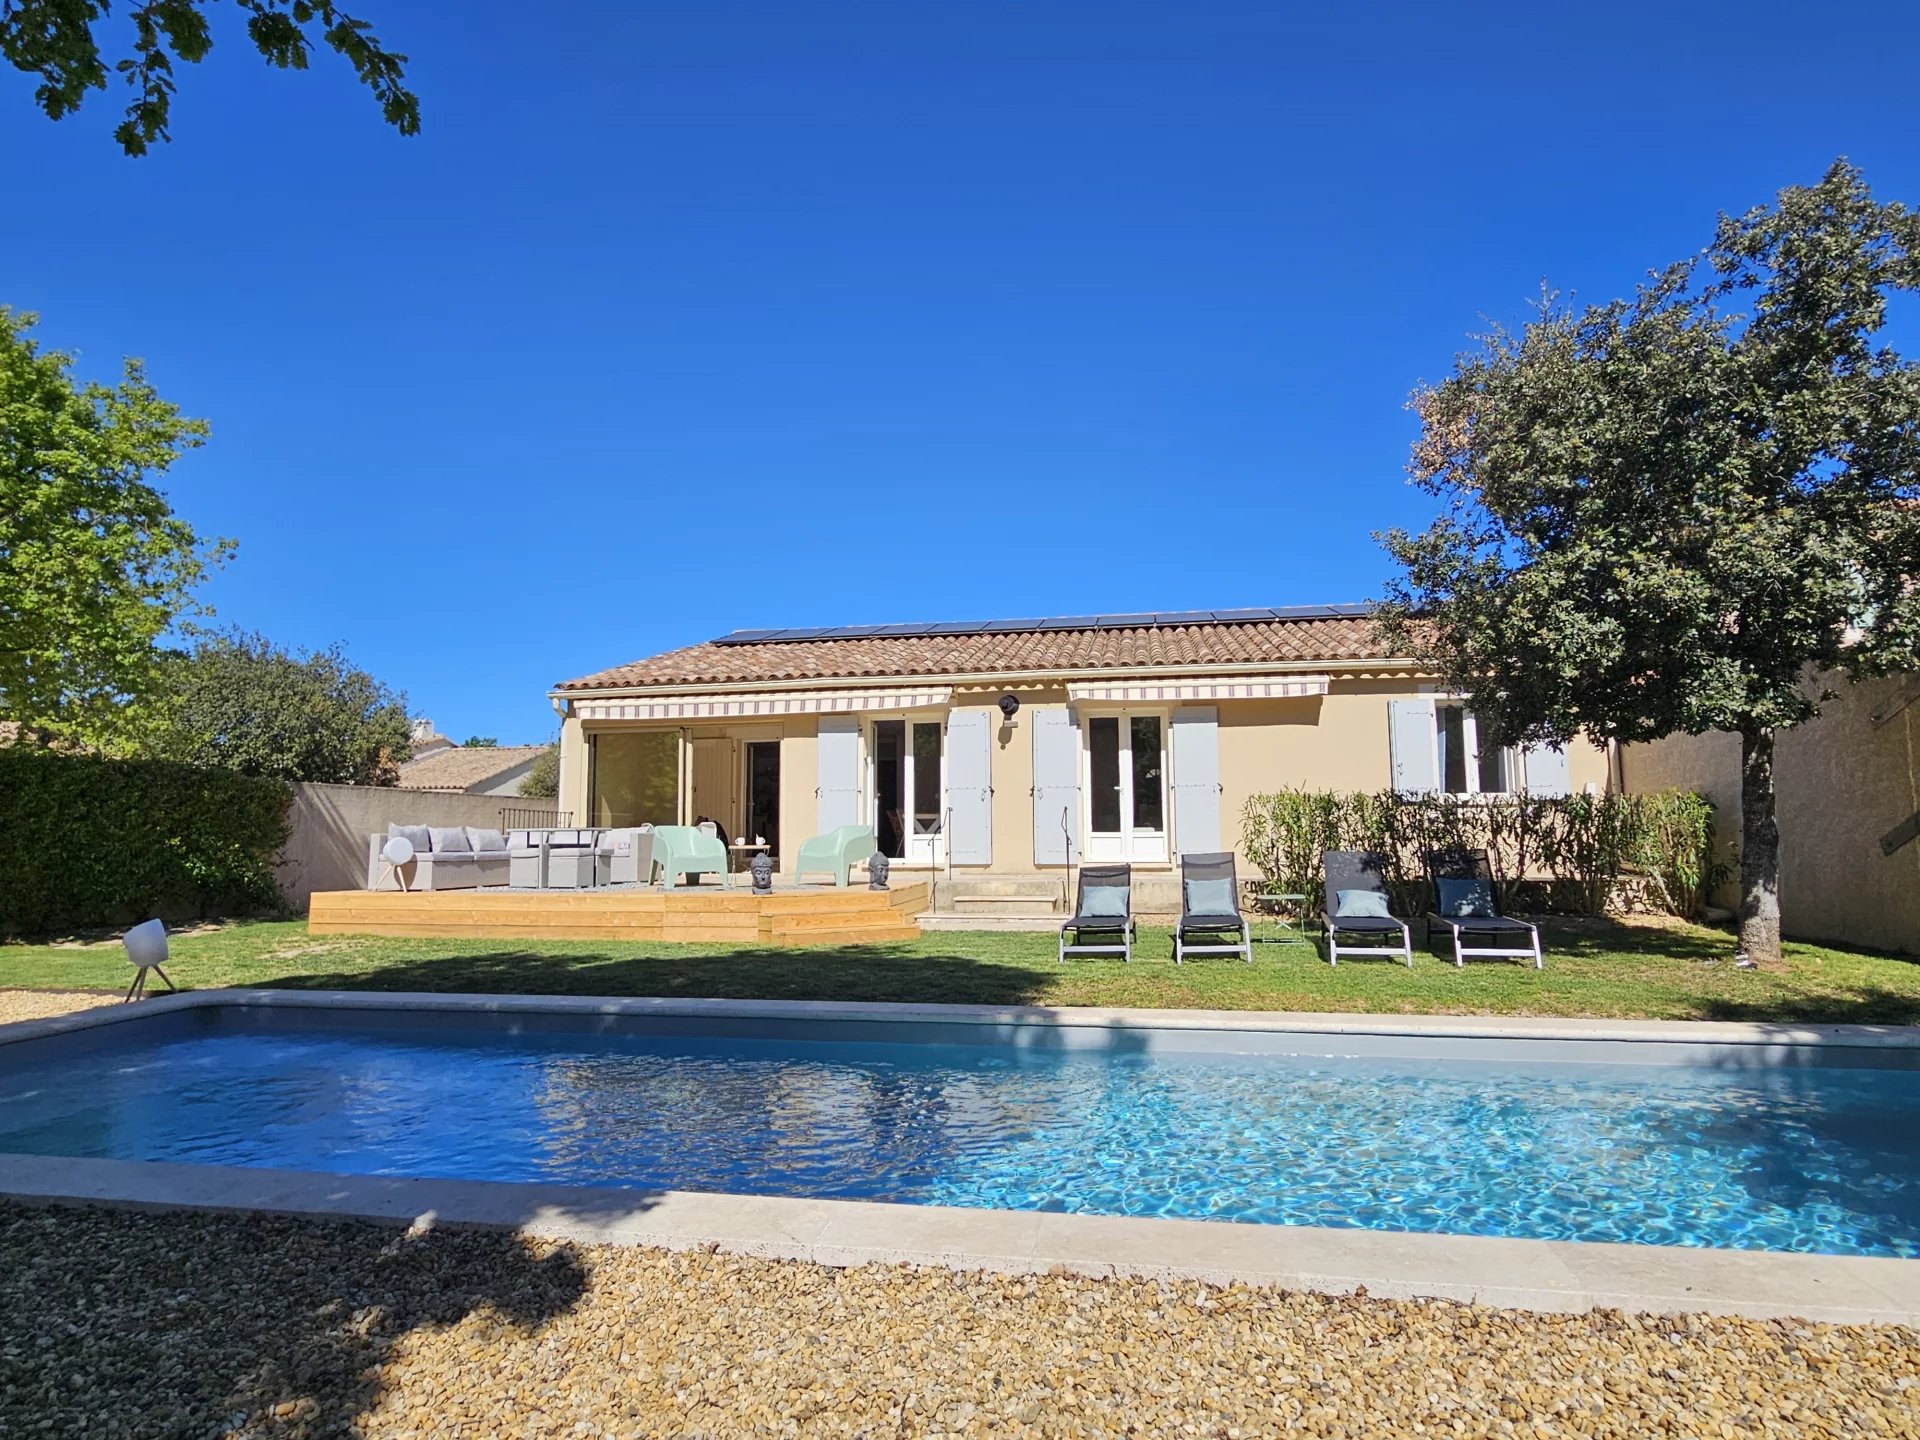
<point x="791" y="917"/>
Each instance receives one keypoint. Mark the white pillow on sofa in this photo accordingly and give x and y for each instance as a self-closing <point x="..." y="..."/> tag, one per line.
<point x="414" y="835"/>
<point x="487" y="842"/>
<point x="449" y="840"/>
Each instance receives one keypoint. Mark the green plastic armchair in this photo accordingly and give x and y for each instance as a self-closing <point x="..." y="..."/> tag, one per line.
<point x="836" y="852"/>
<point x="682" y="850"/>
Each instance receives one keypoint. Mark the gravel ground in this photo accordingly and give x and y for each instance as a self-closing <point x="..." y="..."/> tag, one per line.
<point x="39" y="1004"/>
<point x="174" y="1324"/>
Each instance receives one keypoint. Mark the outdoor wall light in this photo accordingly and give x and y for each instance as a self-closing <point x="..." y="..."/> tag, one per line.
<point x="1009" y="706"/>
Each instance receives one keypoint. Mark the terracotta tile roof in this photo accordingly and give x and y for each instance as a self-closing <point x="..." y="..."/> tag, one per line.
<point x="1345" y="637"/>
<point x="463" y="766"/>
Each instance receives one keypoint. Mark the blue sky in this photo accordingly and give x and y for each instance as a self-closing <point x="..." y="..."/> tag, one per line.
<point x="680" y="318"/>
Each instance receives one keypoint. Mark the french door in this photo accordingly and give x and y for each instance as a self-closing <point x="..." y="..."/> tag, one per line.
<point x="908" y="785"/>
<point x="1126" y="786"/>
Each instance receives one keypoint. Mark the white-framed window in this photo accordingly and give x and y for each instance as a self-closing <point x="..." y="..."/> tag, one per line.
<point x="1461" y="765"/>
<point x="1124" y="780"/>
<point x="907" y="787"/>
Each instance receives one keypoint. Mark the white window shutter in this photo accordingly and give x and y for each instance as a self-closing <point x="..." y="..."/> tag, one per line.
<point x="1410" y="735"/>
<point x="1546" y="771"/>
<point x="970" y="788"/>
<point x="839" y="790"/>
<point x="1196" y="780"/>
<point x="1056" y="788"/>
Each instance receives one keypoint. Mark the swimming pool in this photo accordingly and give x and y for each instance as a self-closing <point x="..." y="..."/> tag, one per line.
<point x="1715" y="1146"/>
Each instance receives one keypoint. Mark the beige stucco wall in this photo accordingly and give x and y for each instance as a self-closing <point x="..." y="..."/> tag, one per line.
<point x="1843" y="782"/>
<point x="329" y="824"/>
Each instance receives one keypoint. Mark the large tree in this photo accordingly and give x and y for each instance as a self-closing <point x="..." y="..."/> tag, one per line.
<point x="1678" y="513"/>
<point x="94" y="564"/>
<point x="60" y="43"/>
<point x="239" y="702"/>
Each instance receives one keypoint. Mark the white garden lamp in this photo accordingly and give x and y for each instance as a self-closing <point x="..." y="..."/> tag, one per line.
<point x="398" y="853"/>
<point x="146" y="948"/>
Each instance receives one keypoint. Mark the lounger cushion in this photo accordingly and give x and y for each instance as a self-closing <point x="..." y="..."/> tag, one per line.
<point x="1462" y="898"/>
<point x="486" y="841"/>
<point x="1104" y="902"/>
<point x="1211" y="922"/>
<point x="1367" y="924"/>
<point x="1211" y="897"/>
<point x="449" y="839"/>
<point x="416" y="835"/>
<point x="1361" y="904"/>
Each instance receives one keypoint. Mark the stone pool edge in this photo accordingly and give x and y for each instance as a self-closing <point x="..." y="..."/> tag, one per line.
<point x="1546" y="1275"/>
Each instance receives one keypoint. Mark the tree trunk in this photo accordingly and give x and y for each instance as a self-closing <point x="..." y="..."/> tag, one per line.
<point x="1759" y="849"/>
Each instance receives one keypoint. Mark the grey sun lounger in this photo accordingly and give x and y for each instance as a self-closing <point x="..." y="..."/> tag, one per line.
<point x="1362" y="872"/>
<point x="1102" y="922"/>
<point x="1479" y="931"/>
<point x="1210" y="907"/>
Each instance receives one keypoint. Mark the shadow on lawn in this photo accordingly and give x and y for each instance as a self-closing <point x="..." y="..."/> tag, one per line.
<point x="185" y="1324"/>
<point x="855" y="972"/>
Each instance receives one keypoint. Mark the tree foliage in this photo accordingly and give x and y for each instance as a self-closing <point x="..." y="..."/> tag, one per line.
<point x="60" y="43"/>
<point x="238" y="702"/>
<point x="542" y="780"/>
<point x="480" y="742"/>
<point x="1665" y="513"/>
<point x="94" y="564"/>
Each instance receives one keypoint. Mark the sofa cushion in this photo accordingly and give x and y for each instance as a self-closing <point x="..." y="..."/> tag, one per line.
<point x="486" y="841"/>
<point x="416" y="835"/>
<point x="449" y="839"/>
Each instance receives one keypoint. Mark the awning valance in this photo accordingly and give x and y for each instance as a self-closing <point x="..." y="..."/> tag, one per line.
<point x="762" y="703"/>
<point x="1199" y="687"/>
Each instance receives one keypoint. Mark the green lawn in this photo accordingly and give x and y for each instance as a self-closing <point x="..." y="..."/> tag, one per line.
<point x="1602" y="968"/>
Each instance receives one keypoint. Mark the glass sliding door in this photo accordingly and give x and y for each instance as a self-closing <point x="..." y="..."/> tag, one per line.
<point x="1126" y="760"/>
<point x="909" y="788"/>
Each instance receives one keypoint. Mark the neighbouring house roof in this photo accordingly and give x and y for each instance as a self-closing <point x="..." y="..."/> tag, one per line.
<point x="1316" y="635"/>
<point x="462" y="767"/>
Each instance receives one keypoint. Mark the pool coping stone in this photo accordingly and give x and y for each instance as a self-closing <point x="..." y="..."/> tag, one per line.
<point x="1548" y="1275"/>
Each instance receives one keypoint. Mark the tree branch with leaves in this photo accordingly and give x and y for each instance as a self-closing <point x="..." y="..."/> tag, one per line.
<point x="59" y="42"/>
<point x="1680" y="512"/>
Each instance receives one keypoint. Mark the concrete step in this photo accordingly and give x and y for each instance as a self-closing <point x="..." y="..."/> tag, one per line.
<point x="1031" y="895"/>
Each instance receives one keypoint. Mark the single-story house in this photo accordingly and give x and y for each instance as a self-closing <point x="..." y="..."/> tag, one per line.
<point x="471" y="769"/>
<point x="1010" y="748"/>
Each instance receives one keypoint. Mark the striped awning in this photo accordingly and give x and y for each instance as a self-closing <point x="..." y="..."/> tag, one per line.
<point x="1200" y="687"/>
<point x="762" y="703"/>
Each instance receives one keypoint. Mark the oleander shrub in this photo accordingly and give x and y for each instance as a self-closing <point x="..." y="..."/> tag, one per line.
<point x="86" y="841"/>
<point x="1572" y="850"/>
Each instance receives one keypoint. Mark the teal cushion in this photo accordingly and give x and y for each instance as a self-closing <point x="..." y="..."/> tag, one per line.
<point x="1462" y="899"/>
<point x="1355" y="903"/>
<point x="1211" y="897"/>
<point x="1106" y="901"/>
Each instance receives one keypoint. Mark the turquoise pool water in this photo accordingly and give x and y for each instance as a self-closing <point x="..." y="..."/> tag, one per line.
<point x="1820" y="1159"/>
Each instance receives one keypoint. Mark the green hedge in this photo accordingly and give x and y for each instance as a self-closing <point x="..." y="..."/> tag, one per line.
<point x="86" y="842"/>
<point x="1585" y="846"/>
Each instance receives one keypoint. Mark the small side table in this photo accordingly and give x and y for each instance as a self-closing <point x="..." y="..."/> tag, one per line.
<point x="745" y="850"/>
<point x="1268" y="909"/>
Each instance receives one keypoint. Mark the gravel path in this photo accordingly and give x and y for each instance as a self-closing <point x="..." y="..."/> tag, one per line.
<point x="127" y="1324"/>
<point x="39" y="1004"/>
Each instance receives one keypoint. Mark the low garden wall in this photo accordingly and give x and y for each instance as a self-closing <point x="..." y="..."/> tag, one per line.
<point x="1581" y="853"/>
<point x="329" y="824"/>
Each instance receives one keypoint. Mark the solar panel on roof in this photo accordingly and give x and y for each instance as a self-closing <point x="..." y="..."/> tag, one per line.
<point x="923" y="628"/>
